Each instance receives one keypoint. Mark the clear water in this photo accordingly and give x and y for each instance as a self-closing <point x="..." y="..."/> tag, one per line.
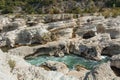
<point x="69" y="60"/>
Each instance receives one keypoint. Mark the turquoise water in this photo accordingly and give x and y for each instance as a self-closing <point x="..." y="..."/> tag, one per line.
<point x="69" y="60"/>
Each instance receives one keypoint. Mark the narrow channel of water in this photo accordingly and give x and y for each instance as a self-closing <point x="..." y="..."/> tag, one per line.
<point x="69" y="60"/>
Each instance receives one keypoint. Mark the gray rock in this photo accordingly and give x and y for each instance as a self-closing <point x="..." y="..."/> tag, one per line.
<point x="115" y="61"/>
<point x="113" y="48"/>
<point x="21" y="51"/>
<point x="24" y="71"/>
<point x="56" y="66"/>
<point x="90" y="48"/>
<point x="101" y="72"/>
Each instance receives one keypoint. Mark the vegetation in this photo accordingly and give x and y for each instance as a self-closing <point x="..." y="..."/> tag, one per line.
<point x="80" y="67"/>
<point x="11" y="64"/>
<point x="49" y="37"/>
<point x="60" y="6"/>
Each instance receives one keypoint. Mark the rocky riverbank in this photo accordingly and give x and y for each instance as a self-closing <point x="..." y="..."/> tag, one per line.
<point x="89" y="37"/>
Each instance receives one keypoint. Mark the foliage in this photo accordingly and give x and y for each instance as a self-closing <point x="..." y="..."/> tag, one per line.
<point x="111" y="12"/>
<point x="76" y="10"/>
<point x="56" y="6"/>
<point x="11" y="64"/>
<point x="7" y="10"/>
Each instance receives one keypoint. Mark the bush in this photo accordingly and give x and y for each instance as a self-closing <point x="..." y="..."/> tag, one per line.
<point x="29" y="9"/>
<point x="46" y="38"/>
<point x="106" y="13"/>
<point x="11" y="64"/>
<point x="111" y="12"/>
<point x="7" y="10"/>
<point x="76" y="10"/>
<point x="53" y="11"/>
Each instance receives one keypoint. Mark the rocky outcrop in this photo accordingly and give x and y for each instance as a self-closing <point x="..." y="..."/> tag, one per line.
<point x="21" y="51"/>
<point x="5" y="73"/>
<point x="41" y="33"/>
<point x="14" y="24"/>
<point x="115" y="61"/>
<point x="88" y="37"/>
<point x="33" y="35"/>
<point x="113" y="48"/>
<point x="101" y="72"/>
<point x="79" y="74"/>
<point x="15" y="68"/>
<point x="22" y="70"/>
<point x="99" y="25"/>
<point x="90" y="49"/>
<point x="3" y="21"/>
<point x="56" y="66"/>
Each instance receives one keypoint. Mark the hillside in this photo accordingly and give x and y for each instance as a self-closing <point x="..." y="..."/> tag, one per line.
<point x="58" y="6"/>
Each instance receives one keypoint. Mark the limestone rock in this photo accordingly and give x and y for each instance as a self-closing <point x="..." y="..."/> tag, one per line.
<point x="15" y="24"/>
<point x="113" y="48"/>
<point x="101" y="72"/>
<point x="57" y="17"/>
<point x="3" y="21"/>
<point x="55" y="48"/>
<point x="91" y="48"/>
<point x="5" y="73"/>
<point x="56" y="66"/>
<point x="34" y="35"/>
<point x="23" y="70"/>
<point x="115" y="61"/>
<point x="21" y="51"/>
<point x="66" y="33"/>
<point x="79" y="74"/>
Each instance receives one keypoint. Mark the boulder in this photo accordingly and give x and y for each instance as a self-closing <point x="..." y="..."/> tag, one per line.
<point x="79" y="74"/>
<point x="34" y="35"/>
<point x="115" y="61"/>
<point x="55" y="48"/>
<point x="15" y="24"/>
<point x="112" y="48"/>
<point x="21" y="51"/>
<point x="3" y="21"/>
<point x="101" y="72"/>
<point x="11" y="38"/>
<point x="56" y="66"/>
<point x="90" y="48"/>
<point x="66" y="33"/>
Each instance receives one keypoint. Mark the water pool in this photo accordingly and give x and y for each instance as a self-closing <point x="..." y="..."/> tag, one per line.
<point x="69" y="60"/>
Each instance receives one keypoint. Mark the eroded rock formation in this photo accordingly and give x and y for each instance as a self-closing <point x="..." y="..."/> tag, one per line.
<point x="88" y="36"/>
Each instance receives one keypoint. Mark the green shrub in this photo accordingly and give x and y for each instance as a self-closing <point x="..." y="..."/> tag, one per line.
<point x="7" y="10"/>
<point x="12" y="64"/>
<point x="111" y="12"/>
<point x="76" y="10"/>
<point x="46" y="38"/>
<point x="53" y="11"/>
